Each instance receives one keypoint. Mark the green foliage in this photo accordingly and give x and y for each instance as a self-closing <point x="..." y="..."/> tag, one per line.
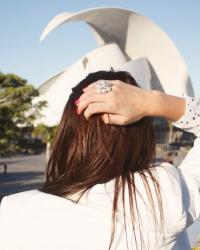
<point x="45" y="133"/>
<point x="197" y="244"/>
<point x="17" y="110"/>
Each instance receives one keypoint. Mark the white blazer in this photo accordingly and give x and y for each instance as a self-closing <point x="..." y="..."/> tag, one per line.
<point x="33" y="220"/>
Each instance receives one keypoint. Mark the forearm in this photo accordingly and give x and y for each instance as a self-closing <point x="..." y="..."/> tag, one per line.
<point x="167" y="106"/>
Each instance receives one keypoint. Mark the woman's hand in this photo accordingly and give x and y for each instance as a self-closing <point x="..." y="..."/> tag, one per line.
<point x="125" y="104"/>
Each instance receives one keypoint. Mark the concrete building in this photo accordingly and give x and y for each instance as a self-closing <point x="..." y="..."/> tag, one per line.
<point x="125" y="41"/>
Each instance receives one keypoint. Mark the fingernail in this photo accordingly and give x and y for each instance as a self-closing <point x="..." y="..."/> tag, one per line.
<point x="76" y="102"/>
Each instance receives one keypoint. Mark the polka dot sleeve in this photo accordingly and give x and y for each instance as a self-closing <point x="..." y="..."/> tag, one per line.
<point x="190" y="121"/>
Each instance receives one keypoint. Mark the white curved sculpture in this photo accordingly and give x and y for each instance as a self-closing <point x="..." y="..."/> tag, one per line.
<point x="127" y="41"/>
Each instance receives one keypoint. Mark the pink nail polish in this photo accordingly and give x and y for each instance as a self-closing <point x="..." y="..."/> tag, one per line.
<point x="76" y="102"/>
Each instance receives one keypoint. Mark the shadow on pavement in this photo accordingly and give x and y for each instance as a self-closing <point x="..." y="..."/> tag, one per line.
<point x="20" y="181"/>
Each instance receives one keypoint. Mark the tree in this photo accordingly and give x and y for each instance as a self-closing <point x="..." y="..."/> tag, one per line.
<point x="17" y="111"/>
<point x="46" y="134"/>
<point x="197" y="244"/>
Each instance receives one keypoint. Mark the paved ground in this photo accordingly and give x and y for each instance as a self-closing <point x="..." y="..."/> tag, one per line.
<point x="23" y="173"/>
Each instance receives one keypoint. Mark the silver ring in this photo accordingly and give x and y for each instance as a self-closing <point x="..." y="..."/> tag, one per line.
<point x="103" y="86"/>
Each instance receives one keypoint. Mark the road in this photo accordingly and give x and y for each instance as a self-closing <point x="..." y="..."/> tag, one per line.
<point x="24" y="173"/>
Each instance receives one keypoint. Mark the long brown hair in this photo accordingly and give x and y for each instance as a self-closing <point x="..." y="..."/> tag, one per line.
<point x="86" y="153"/>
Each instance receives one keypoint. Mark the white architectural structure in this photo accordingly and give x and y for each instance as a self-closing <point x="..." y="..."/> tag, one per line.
<point x="126" y="41"/>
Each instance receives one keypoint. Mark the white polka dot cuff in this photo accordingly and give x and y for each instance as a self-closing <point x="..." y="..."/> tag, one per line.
<point x="190" y="121"/>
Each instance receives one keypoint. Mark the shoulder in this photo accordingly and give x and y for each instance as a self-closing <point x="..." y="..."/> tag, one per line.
<point x="11" y="204"/>
<point x="170" y="181"/>
<point x="18" y="197"/>
<point x="168" y="173"/>
<point x="172" y="191"/>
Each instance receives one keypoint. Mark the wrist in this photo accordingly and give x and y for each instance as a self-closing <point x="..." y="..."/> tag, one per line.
<point x="153" y="105"/>
<point x="166" y="106"/>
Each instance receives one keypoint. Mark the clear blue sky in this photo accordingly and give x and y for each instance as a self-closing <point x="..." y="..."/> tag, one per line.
<point x="22" y="22"/>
